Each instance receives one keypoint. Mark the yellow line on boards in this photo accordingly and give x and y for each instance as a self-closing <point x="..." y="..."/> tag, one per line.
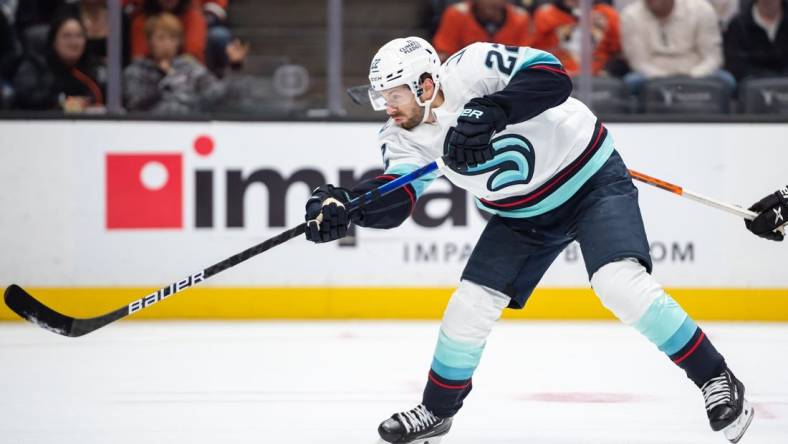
<point x="391" y="303"/>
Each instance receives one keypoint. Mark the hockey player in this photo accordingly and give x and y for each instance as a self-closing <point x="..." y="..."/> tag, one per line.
<point x="546" y="168"/>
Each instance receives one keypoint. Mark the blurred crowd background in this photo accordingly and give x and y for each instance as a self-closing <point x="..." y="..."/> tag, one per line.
<point x="295" y="58"/>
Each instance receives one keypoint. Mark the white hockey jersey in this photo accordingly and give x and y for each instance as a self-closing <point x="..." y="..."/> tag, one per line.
<point x="539" y="163"/>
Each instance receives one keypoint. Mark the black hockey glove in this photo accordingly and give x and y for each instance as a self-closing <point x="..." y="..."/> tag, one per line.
<point x="326" y="216"/>
<point x="772" y="214"/>
<point x="468" y="143"/>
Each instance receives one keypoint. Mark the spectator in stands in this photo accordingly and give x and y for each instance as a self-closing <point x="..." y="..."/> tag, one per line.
<point x="65" y="77"/>
<point x="219" y="35"/>
<point x="192" y="22"/>
<point x="168" y="83"/>
<point x="557" y="32"/>
<point x="95" y="17"/>
<point x="664" y="38"/>
<point x="756" y="42"/>
<point x="481" y="21"/>
<point x="32" y="22"/>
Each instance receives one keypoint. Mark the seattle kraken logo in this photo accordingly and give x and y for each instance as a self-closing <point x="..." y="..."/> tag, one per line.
<point x="513" y="163"/>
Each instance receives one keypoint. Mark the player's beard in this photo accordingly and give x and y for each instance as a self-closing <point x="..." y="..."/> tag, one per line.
<point x="413" y="121"/>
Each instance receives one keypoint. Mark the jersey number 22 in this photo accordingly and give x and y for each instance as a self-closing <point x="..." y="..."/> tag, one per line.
<point x="495" y="58"/>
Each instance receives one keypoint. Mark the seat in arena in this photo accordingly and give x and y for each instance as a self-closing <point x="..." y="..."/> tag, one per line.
<point x="609" y="96"/>
<point x="684" y="95"/>
<point x="764" y="95"/>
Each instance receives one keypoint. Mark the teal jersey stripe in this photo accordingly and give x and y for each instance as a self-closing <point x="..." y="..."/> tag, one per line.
<point x="565" y="191"/>
<point x="661" y="321"/>
<point x="681" y="338"/>
<point x="533" y="56"/>
<point x="420" y="184"/>
<point x="451" y="373"/>
<point x="456" y="354"/>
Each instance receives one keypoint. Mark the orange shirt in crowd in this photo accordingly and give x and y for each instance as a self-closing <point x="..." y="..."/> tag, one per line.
<point x="459" y="28"/>
<point x="194" y="33"/>
<point x="554" y="29"/>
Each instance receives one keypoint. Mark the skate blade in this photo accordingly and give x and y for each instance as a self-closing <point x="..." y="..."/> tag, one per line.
<point x="736" y="429"/>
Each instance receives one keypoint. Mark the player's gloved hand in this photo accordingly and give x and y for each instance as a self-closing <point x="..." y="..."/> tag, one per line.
<point x="773" y="214"/>
<point x="326" y="216"/>
<point x="468" y="143"/>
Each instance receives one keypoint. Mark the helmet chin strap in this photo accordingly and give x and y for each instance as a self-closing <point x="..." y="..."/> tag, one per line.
<point x="427" y="104"/>
<point x="427" y="111"/>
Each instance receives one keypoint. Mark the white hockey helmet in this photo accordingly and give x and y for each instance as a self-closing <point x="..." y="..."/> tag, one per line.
<point x="402" y="62"/>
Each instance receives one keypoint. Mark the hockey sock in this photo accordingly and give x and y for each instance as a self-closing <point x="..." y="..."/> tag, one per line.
<point x="449" y="380"/>
<point x="467" y="321"/>
<point x="669" y="327"/>
<point x="697" y="357"/>
<point x="638" y="300"/>
<point x="444" y="397"/>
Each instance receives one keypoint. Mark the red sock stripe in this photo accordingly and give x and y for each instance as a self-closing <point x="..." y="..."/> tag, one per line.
<point x="692" y="350"/>
<point x="447" y="386"/>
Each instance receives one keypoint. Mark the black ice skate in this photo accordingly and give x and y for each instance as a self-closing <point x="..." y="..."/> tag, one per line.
<point x="726" y="407"/>
<point x="415" y="426"/>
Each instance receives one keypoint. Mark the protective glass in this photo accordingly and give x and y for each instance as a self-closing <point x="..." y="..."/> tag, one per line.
<point x="394" y="97"/>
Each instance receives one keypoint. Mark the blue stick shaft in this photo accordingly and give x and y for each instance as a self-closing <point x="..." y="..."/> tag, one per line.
<point x="395" y="184"/>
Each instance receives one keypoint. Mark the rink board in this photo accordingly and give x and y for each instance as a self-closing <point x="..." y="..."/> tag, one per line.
<point x="389" y="303"/>
<point x="99" y="213"/>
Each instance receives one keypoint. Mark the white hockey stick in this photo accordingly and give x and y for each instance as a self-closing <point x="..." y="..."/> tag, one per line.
<point x="697" y="197"/>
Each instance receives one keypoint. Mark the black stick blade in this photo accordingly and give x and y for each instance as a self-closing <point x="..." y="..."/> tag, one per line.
<point x="359" y="94"/>
<point x="29" y="308"/>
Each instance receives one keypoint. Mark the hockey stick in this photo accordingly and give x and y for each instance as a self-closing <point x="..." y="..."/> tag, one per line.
<point x="675" y="189"/>
<point x="29" y="308"/>
<point x="359" y="94"/>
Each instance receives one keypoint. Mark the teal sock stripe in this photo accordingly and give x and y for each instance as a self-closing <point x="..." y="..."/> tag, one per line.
<point x="666" y="325"/>
<point x="451" y="373"/>
<point x="681" y="338"/>
<point x="455" y="360"/>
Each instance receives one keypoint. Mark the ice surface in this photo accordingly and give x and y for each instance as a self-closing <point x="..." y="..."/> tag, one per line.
<point x="333" y="382"/>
